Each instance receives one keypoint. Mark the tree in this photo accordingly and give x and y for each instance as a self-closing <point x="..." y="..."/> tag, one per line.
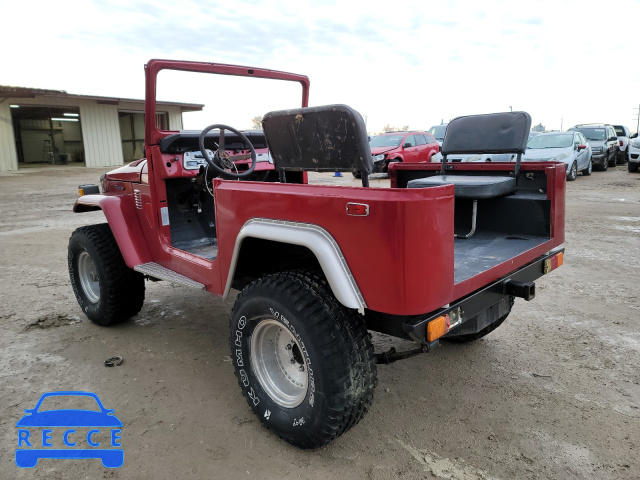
<point x="256" y="122"/>
<point x="389" y="128"/>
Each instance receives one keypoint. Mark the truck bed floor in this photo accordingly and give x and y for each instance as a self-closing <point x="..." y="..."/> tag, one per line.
<point x="486" y="250"/>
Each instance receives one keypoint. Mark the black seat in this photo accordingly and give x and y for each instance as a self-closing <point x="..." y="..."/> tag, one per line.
<point x="492" y="133"/>
<point x="331" y="138"/>
<point x="468" y="186"/>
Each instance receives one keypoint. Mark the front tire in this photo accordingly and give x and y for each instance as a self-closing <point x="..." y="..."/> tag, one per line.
<point x="587" y="171"/>
<point x="304" y="362"/>
<point x="573" y="172"/>
<point x="632" y="166"/>
<point x="107" y="290"/>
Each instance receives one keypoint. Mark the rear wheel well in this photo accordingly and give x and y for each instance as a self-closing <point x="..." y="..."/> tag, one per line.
<point x="259" y="257"/>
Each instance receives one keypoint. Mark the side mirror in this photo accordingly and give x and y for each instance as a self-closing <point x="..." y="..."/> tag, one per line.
<point x="635" y="135"/>
<point x="581" y="147"/>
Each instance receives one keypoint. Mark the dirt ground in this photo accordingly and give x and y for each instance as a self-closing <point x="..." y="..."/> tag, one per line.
<point x="554" y="393"/>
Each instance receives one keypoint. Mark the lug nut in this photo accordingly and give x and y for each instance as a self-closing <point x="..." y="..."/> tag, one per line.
<point x="293" y="360"/>
<point x="301" y="368"/>
<point x="288" y="347"/>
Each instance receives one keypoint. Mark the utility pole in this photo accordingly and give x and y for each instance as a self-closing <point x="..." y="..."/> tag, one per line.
<point x="637" y="119"/>
<point x="510" y="108"/>
<point x="561" y="122"/>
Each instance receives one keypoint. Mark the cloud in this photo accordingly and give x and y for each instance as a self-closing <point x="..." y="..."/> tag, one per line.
<point x="373" y="54"/>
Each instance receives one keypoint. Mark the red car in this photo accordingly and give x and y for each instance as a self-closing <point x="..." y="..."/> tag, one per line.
<point x="406" y="147"/>
<point x="441" y="255"/>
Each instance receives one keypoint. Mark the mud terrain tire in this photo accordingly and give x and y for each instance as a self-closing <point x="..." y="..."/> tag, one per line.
<point x="304" y="362"/>
<point x="107" y="290"/>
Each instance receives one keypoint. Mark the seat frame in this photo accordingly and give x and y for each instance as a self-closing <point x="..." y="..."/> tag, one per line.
<point x="496" y="133"/>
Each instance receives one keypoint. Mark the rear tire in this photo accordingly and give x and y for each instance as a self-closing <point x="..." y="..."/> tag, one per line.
<point x="106" y="289"/>
<point x="305" y="363"/>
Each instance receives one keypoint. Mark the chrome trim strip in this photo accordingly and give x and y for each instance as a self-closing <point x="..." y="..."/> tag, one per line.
<point x="316" y="239"/>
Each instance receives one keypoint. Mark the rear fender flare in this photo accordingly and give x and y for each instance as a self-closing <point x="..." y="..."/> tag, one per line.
<point x="315" y="238"/>
<point x="123" y="221"/>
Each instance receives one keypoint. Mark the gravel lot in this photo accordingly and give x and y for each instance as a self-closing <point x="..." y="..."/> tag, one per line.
<point x="553" y="393"/>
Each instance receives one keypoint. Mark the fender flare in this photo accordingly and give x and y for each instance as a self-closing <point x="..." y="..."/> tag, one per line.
<point x="316" y="239"/>
<point x="123" y="221"/>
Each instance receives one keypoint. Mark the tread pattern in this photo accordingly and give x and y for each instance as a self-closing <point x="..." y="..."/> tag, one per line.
<point x="122" y="289"/>
<point x="344" y="343"/>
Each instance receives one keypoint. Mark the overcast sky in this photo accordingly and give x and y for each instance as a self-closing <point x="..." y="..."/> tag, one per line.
<point x="398" y="62"/>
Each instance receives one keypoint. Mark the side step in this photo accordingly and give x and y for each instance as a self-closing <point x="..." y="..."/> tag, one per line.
<point x="154" y="270"/>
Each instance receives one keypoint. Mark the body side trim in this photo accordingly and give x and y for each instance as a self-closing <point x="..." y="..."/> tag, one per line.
<point x="316" y="239"/>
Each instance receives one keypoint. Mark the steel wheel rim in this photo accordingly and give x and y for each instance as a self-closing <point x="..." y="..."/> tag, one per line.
<point x="279" y="364"/>
<point x="88" y="276"/>
<point x="574" y="170"/>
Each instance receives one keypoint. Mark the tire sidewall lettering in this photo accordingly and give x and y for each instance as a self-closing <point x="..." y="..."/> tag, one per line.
<point x="270" y="413"/>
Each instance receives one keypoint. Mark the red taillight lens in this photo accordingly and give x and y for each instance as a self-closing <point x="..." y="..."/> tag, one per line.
<point x="554" y="262"/>
<point x="621" y="143"/>
<point x="357" y="209"/>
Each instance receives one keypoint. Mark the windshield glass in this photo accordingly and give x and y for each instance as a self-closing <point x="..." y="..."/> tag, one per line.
<point x="438" y="131"/>
<point x="592" y="133"/>
<point x="551" y="141"/>
<point x="386" y="141"/>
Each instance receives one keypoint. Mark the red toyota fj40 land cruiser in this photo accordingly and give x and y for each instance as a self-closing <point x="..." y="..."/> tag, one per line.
<point x="453" y="245"/>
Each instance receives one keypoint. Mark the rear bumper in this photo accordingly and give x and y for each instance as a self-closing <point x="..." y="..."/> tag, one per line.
<point x="495" y="295"/>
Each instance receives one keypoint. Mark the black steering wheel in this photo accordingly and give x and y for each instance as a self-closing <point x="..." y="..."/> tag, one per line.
<point x="222" y="161"/>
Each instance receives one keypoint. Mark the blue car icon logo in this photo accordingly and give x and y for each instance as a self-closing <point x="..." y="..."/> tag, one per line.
<point x="73" y="433"/>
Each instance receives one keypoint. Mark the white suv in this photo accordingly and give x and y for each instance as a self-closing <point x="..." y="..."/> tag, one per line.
<point x="623" y="141"/>
<point x="634" y="153"/>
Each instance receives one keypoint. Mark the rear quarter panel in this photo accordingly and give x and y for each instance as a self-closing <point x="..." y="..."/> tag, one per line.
<point x="401" y="254"/>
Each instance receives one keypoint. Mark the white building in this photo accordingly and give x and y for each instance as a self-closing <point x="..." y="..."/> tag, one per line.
<point x="50" y="127"/>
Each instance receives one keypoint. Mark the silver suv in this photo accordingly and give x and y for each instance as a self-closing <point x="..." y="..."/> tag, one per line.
<point x="603" y="141"/>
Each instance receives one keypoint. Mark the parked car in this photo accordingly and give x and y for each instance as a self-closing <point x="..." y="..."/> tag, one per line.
<point x="571" y="148"/>
<point x="320" y="265"/>
<point x="603" y="141"/>
<point x="634" y="153"/>
<point x="402" y="147"/>
<point x="622" y="133"/>
<point x="438" y="132"/>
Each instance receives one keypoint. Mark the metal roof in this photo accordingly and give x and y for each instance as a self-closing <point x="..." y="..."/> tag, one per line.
<point x="7" y="91"/>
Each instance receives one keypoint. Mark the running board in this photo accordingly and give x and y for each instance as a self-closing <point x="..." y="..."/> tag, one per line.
<point x="154" y="270"/>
